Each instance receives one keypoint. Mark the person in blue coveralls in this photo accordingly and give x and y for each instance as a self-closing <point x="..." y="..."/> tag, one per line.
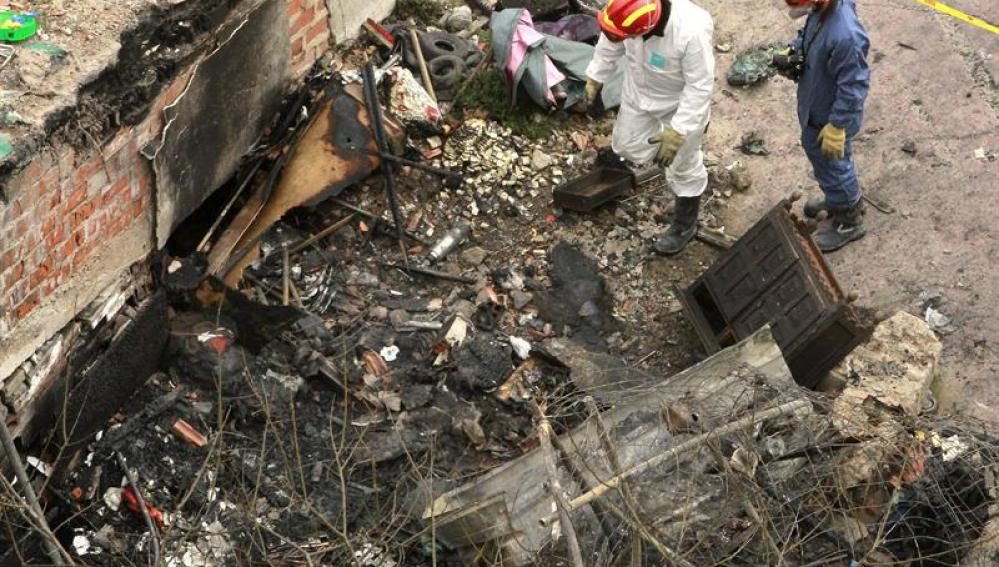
<point x="828" y="59"/>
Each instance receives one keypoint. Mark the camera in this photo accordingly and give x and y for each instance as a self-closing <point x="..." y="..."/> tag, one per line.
<point x="789" y="63"/>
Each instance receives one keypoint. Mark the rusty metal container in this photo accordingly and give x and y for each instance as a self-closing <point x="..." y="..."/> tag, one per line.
<point x="776" y="275"/>
<point x="589" y="191"/>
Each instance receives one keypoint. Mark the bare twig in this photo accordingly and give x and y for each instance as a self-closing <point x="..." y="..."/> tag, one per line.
<point x="652" y="540"/>
<point x="34" y="510"/>
<point x="685" y="447"/>
<point x="323" y="233"/>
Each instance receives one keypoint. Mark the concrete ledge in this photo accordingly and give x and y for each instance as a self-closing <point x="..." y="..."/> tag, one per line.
<point x="346" y="16"/>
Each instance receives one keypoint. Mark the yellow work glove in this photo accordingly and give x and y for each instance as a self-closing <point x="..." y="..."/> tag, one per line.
<point x="833" y="142"/>
<point x="591" y="92"/>
<point x="669" y="143"/>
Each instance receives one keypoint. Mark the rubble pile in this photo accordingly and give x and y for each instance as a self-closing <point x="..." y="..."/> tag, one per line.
<point x="391" y="361"/>
<point x="712" y="465"/>
<point x="500" y="173"/>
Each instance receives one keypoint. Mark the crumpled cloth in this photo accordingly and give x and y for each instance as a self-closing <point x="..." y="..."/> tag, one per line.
<point x="550" y="70"/>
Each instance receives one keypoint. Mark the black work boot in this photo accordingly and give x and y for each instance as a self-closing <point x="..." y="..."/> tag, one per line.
<point x="814" y="206"/>
<point x="845" y="225"/>
<point x="682" y="229"/>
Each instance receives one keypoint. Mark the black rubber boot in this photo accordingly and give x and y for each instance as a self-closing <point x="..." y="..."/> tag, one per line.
<point x="682" y="229"/>
<point x="843" y="227"/>
<point x="814" y="206"/>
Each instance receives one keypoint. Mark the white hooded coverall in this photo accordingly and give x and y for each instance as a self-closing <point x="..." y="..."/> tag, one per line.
<point x="667" y="83"/>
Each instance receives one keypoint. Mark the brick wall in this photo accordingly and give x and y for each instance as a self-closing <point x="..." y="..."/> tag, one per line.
<point x="61" y="208"/>
<point x="309" y="33"/>
<point x="65" y="205"/>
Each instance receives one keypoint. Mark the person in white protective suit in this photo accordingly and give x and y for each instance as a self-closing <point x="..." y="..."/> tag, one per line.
<point x="666" y="47"/>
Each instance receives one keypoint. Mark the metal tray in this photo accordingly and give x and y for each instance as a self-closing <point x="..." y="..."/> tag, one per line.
<point x="589" y="191"/>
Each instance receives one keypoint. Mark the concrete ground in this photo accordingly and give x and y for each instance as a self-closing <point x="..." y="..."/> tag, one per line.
<point x="939" y="92"/>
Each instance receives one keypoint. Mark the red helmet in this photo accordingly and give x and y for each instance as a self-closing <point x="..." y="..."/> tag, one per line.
<point x="628" y="18"/>
<point x="805" y="3"/>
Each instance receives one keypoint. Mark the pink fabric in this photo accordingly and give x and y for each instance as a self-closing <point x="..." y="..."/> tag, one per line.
<point x="524" y="36"/>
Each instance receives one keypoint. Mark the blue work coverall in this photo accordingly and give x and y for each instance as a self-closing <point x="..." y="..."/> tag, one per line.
<point x="832" y="89"/>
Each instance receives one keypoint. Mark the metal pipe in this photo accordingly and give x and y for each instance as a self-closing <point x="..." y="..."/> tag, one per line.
<point x="428" y="168"/>
<point x="388" y="169"/>
<point x="431" y="273"/>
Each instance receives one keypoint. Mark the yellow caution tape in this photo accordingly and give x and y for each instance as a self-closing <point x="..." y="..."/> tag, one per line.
<point x="955" y="13"/>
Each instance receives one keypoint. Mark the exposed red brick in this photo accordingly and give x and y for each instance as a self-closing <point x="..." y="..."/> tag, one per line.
<point x="40" y="274"/>
<point x="33" y="172"/>
<point x="80" y="215"/>
<point x="68" y="248"/>
<point x="55" y="238"/>
<point x="76" y="197"/>
<point x="83" y="253"/>
<point x="294" y="7"/>
<point x="316" y="29"/>
<point x="297" y="46"/>
<point x="97" y="182"/>
<point x="51" y="178"/>
<point x="55" y="199"/>
<point x="7" y="259"/>
<point x="114" y="191"/>
<point x="137" y="208"/>
<point x="120" y="142"/>
<point x="26" y="306"/>
<point x="301" y="21"/>
<point x="49" y="225"/>
<point x="85" y="170"/>
<point x="167" y="96"/>
<point x="17" y="290"/>
<point x="21" y="227"/>
<point x="17" y="272"/>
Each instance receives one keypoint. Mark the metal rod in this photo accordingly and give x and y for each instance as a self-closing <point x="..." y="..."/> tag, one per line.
<point x="428" y="168"/>
<point x="886" y="209"/>
<point x="34" y="509"/>
<point x="424" y="72"/>
<point x="153" y="534"/>
<point x="368" y="214"/>
<point x="388" y="169"/>
<point x="431" y="273"/>
<point x="285" y="276"/>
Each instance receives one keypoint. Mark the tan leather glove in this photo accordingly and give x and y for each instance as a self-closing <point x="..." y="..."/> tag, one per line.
<point x="669" y="143"/>
<point x="833" y="142"/>
<point x="591" y="92"/>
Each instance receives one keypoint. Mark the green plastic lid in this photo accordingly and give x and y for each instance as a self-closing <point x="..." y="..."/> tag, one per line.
<point x="17" y="26"/>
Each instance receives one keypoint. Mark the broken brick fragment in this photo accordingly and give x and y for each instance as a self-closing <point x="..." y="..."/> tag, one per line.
<point x="188" y="433"/>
